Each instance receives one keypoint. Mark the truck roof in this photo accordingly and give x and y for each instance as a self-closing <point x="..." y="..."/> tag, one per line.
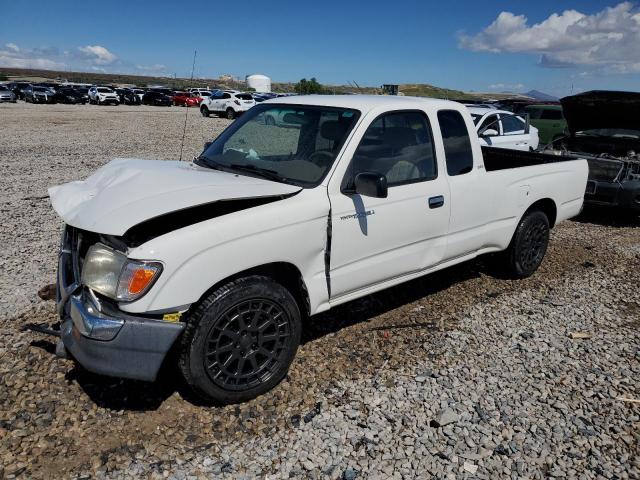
<point x="364" y="103"/>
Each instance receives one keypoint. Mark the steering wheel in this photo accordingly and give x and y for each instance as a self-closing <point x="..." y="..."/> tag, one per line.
<point x="320" y="156"/>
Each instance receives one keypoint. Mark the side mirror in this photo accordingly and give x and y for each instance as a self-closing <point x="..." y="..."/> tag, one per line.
<point x="489" y="132"/>
<point x="207" y="144"/>
<point x="371" y="185"/>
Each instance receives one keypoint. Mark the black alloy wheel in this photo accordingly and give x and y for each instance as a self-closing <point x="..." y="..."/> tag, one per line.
<point x="246" y="343"/>
<point x="528" y="245"/>
<point x="240" y="340"/>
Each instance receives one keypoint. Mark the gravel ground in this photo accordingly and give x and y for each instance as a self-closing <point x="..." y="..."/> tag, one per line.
<point x="456" y="375"/>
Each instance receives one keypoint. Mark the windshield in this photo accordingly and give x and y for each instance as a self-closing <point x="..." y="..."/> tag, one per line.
<point x="40" y="89"/>
<point x="104" y="90"/>
<point x="288" y="143"/>
<point x="610" y="132"/>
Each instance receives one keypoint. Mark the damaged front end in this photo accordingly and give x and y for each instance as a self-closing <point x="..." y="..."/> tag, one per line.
<point x="605" y="130"/>
<point x="101" y="337"/>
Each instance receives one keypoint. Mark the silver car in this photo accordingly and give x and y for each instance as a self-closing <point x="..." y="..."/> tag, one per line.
<point x="7" y="95"/>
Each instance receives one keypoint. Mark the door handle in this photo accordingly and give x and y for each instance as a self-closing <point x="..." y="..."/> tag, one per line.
<point x="436" y="202"/>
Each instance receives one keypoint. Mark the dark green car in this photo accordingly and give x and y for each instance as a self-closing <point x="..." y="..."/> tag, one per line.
<point x="549" y="121"/>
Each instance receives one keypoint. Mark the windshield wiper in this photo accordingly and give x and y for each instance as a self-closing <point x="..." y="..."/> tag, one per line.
<point x="263" y="172"/>
<point x="203" y="161"/>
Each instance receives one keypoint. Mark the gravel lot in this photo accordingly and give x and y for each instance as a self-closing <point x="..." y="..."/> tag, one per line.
<point x="457" y="375"/>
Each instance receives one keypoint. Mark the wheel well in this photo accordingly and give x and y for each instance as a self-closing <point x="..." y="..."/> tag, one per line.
<point x="286" y="274"/>
<point x="548" y="207"/>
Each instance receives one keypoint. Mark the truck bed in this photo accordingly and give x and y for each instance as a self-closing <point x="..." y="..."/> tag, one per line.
<point x="503" y="158"/>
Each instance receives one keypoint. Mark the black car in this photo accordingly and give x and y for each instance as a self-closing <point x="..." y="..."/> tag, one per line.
<point x="604" y="129"/>
<point x="18" y="88"/>
<point x="68" y="95"/>
<point x="127" y="96"/>
<point x="38" y="94"/>
<point x="83" y="92"/>
<point x="157" y="98"/>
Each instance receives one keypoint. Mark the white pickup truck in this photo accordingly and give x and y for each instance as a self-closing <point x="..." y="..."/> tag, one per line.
<point x="221" y="258"/>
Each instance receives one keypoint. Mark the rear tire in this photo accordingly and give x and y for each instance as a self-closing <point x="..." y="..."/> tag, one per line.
<point x="240" y="340"/>
<point x="204" y="111"/>
<point x="528" y="245"/>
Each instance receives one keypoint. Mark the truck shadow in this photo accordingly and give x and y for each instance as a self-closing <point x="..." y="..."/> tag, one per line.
<point x="120" y="394"/>
<point x="608" y="217"/>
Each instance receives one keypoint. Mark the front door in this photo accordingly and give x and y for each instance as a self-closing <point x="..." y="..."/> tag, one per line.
<point x="378" y="239"/>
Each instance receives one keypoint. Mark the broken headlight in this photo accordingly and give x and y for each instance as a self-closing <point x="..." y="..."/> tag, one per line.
<point x="112" y="274"/>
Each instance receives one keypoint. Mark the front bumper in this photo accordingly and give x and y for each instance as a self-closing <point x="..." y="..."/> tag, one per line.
<point x="108" y="100"/>
<point x="105" y="340"/>
<point x="624" y="195"/>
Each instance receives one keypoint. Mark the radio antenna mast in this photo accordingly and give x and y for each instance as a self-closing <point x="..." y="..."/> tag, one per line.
<point x="186" y="115"/>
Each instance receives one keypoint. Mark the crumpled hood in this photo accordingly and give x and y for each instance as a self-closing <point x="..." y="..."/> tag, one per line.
<point x="602" y="109"/>
<point x="126" y="192"/>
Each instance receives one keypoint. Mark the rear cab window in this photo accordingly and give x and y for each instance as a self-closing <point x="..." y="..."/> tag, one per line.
<point x="456" y="141"/>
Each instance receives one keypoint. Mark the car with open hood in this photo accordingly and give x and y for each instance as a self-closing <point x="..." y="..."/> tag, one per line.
<point x="220" y="259"/>
<point x="604" y="128"/>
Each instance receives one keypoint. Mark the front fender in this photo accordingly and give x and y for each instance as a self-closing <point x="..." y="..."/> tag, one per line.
<point x="196" y="257"/>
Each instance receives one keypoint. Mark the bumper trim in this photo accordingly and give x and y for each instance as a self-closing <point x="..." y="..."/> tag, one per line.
<point x="136" y="350"/>
<point x="91" y="323"/>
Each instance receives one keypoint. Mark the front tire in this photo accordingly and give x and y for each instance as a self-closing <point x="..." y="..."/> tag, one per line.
<point x="240" y="340"/>
<point x="230" y="114"/>
<point x="204" y="111"/>
<point x="528" y="245"/>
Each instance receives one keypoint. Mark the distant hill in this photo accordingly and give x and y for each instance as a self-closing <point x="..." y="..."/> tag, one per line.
<point x="32" y="75"/>
<point x="543" y="97"/>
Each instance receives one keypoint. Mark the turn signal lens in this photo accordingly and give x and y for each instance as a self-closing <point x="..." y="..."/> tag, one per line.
<point x="136" y="279"/>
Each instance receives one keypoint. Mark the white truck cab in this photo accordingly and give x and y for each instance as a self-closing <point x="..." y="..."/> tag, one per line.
<point x="503" y="129"/>
<point x="222" y="257"/>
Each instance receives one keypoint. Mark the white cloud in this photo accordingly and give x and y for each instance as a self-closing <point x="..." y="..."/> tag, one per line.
<point x="507" y="87"/>
<point x="14" y="57"/>
<point x="97" y="54"/>
<point x="608" y="40"/>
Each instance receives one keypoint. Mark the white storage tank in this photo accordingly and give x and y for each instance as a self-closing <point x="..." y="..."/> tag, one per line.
<point x="260" y="83"/>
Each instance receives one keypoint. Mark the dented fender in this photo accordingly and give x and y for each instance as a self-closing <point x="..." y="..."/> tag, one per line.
<point x="292" y="230"/>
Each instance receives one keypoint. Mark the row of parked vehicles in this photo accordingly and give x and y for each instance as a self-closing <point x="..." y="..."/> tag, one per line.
<point x="228" y="103"/>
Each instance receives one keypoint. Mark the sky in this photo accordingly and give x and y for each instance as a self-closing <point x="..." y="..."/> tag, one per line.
<point x="557" y="47"/>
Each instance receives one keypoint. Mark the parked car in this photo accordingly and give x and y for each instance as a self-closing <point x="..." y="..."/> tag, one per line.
<point x="186" y="99"/>
<point x="68" y="95"/>
<point x="103" y="96"/>
<point x="549" y="121"/>
<point x="82" y="92"/>
<point x="159" y="99"/>
<point x="38" y="94"/>
<point x="127" y="96"/>
<point x="604" y="128"/>
<point x="226" y="104"/>
<point x="502" y="129"/>
<point x="18" y="89"/>
<point x="139" y="92"/>
<point x="6" y="95"/>
<point x="221" y="258"/>
<point x="200" y="92"/>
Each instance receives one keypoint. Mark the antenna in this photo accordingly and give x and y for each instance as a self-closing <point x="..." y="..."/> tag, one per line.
<point x="186" y="115"/>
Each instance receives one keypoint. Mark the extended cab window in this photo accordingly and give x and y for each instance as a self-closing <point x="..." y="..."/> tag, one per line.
<point x="399" y="146"/>
<point x="457" y="145"/>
